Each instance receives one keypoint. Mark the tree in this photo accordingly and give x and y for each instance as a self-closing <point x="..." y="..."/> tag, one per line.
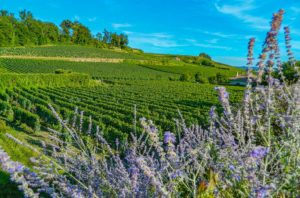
<point x="25" y="15"/>
<point x="115" y="40"/>
<point x="26" y="30"/>
<point x="99" y="36"/>
<point x="106" y="37"/>
<point x="3" y="13"/>
<point x="81" y="34"/>
<point x="66" y="26"/>
<point x="123" y="40"/>
<point x="204" y="55"/>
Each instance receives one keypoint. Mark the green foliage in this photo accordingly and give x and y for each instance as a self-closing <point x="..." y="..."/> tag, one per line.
<point x="204" y="55"/>
<point x="103" y="71"/>
<point x="206" y="62"/>
<point x="8" y="188"/>
<point x="289" y="72"/>
<point x="3" y="126"/>
<point x="4" y="96"/>
<point x="212" y="80"/>
<point x="26" y="117"/>
<point x="111" y="106"/>
<point x="28" y="31"/>
<point x="46" y="115"/>
<point x="185" y="77"/>
<point x="221" y="78"/>
<point x="199" y="78"/>
<point x="75" y="51"/>
<point x="12" y="80"/>
<point x="218" y="79"/>
<point x="4" y="108"/>
<point x="62" y="71"/>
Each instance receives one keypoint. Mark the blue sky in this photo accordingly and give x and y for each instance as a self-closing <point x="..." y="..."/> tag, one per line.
<point x="220" y="28"/>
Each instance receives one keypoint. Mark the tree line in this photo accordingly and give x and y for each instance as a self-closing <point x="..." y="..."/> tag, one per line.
<point x="26" y="30"/>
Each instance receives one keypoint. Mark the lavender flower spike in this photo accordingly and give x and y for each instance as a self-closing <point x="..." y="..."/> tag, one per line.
<point x="259" y="152"/>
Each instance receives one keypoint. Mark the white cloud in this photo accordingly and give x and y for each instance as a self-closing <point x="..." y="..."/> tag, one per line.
<point x="160" y="39"/>
<point x="161" y="35"/>
<point x="240" y="9"/>
<point x="92" y="19"/>
<point x="207" y="45"/>
<point x="121" y="25"/>
<point x="212" y="41"/>
<point x="219" y="34"/>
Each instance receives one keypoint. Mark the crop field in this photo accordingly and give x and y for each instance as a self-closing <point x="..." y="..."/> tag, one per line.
<point x="117" y="96"/>
<point x="114" y="71"/>
<point x="112" y="106"/>
<point x="154" y="89"/>
<point x="104" y="71"/>
<point x="84" y="113"/>
<point x="69" y="51"/>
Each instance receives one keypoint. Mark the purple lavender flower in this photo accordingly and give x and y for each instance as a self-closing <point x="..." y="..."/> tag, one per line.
<point x="231" y="167"/>
<point x="261" y="192"/>
<point x="169" y="137"/>
<point x="259" y="152"/>
<point x="176" y="174"/>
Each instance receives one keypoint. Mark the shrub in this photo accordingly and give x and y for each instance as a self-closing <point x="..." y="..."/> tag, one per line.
<point x="199" y="78"/>
<point x="221" y="78"/>
<point x="212" y="80"/>
<point x="62" y="71"/>
<point x="207" y="63"/>
<point x="185" y="77"/>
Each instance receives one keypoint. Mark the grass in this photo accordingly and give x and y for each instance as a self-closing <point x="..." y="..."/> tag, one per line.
<point x="17" y="153"/>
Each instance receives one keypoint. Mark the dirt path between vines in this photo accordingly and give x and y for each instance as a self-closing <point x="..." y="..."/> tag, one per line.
<point x="71" y="59"/>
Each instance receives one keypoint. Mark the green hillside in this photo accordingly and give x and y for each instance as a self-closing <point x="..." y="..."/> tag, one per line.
<point x="149" y="83"/>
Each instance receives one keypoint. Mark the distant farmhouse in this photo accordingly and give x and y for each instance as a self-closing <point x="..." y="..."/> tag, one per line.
<point x="241" y="80"/>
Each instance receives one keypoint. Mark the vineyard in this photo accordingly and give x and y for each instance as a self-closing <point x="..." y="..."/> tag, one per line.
<point x="112" y="106"/>
<point x="111" y="95"/>
<point x="70" y="51"/>
<point x="128" y="70"/>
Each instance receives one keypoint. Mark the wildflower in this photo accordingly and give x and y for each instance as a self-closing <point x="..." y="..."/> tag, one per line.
<point x="259" y="152"/>
<point x="262" y="192"/>
<point x="169" y="137"/>
<point x="231" y="167"/>
<point x="176" y="174"/>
